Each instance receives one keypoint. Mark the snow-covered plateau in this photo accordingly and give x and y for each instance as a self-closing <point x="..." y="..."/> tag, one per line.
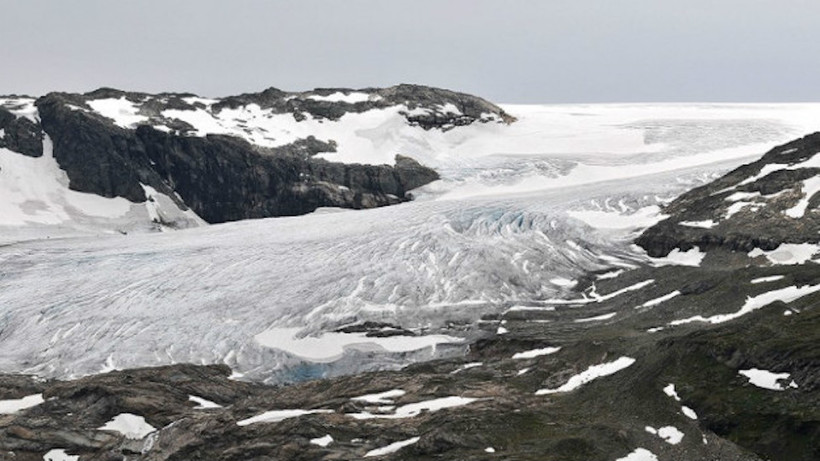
<point x="521" y="210"/>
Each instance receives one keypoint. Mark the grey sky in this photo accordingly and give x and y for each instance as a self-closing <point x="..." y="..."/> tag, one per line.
<point x="506" y="51"/>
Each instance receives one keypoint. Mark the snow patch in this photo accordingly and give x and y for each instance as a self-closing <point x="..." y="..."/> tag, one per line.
<point x="766" y="379"/>
<point x="35" y="191"/>
<point x="788" y="253"/>
<point x="809" y="188"/>
<point x="662" y="299"/>
<point x="590" y="374"/>
<point x="382" y="397"/>
<point x="123" y="112"/>
<point x="670" y="434"/>
<point x="692" y="257"/>
<point x="467" y="366"/>
<point x="8" y="407"/>
<point x="129" y="425"/>
<point x="753" y="303"/>
<point x="392" y="448"/>
<point x="535" y="353"/>
<point x="688" y="412"/>
<point x="596" y="318"/>
<point x="562" y="282"/>
<point x="59" y="454"/>
<point x="771" y="278"/>
<point x="671" y="392"/>
<point x="813" y="162"/>
<point x="414" y="409"/>
<point x="322" y="441"/>
<point x="350" y="98"/>
<point x="278" y="415"/>
<point x="203" y="404"/>
<point x="708" y="224"/>
<point x="640" y="454"/>
<point x="331" y="346"/>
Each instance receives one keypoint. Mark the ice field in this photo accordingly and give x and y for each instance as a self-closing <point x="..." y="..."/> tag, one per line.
<point x="520" y="212"/>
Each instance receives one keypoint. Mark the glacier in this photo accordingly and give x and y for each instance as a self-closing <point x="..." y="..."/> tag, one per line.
<point x="519" y="211"/>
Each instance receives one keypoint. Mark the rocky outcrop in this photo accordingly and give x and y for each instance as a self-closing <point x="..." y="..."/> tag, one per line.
<point x="226" y="178"/>
<point x="20" y="134"/>
<point x="757" y="205"/>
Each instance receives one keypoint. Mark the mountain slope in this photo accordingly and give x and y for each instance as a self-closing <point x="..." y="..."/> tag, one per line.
<point x="247" y="156"/>
<point x="761" y="205"/>
<point x="708" y="357"/>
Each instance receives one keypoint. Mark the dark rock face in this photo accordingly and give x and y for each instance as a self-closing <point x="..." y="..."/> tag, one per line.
<point x="94" y="154"/>
<point x="20" y="134"/>
<point x="761" y="223"/>
<point x="225" y="178"/>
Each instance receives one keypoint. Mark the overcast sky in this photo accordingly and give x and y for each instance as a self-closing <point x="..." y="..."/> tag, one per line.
<point x="507" y="51"/>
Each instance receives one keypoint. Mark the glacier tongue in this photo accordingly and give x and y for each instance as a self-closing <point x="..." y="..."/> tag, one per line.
<point x="474" y="243"/>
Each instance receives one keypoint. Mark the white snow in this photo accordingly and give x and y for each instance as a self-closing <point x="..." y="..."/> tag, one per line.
<point x="332" y="345"/>
<point x="642" y="218"/>
<point x="392" y="448"/>
<point x="35" y="190"/>
<point x="12" y="406"/>
<point x="738" y="196"/>
<point x="788" y="253"/>
<point x="771" y="278"/>
<point x="736" y="207"/>
<point x="489" y="450"/>
<point x="670" y="434"/>
<point x="203" y="404"/>
<point x="562" y="282"/>
<point x="466" y="366"/>
<point x="535" y="353"/>
<point x="610" y="274"/>
<point x="414" y="409"/>
<point x="640" y="454"/>
<point x="809" y="188"/>
<point x="59" y="454"/>
<point x="690" y="413"/>
<point x="123" y="112"/>
<point x="21" y="107"/>
<point x="707" y="224"/>
<point x="596" y="318"/>
<point x="275" y="416"/>
<point x="522" y="371"/>
<point x="753" y="303"/>
<point x="590" y="374"/>
<point x="322" y="441"/>
<point x="129" y="425"/>
<point x="692" y="257"/>
<point x="662" y="299"/>
<point x="767" y="169"/>
<point x="350" y="98"/>
<point x="766" y="379"/>
<point x="671" y="392"/>
<point x="382" y="397"/>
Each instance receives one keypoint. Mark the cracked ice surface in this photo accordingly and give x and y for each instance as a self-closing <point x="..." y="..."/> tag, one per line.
<point x="489" y="236"/>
